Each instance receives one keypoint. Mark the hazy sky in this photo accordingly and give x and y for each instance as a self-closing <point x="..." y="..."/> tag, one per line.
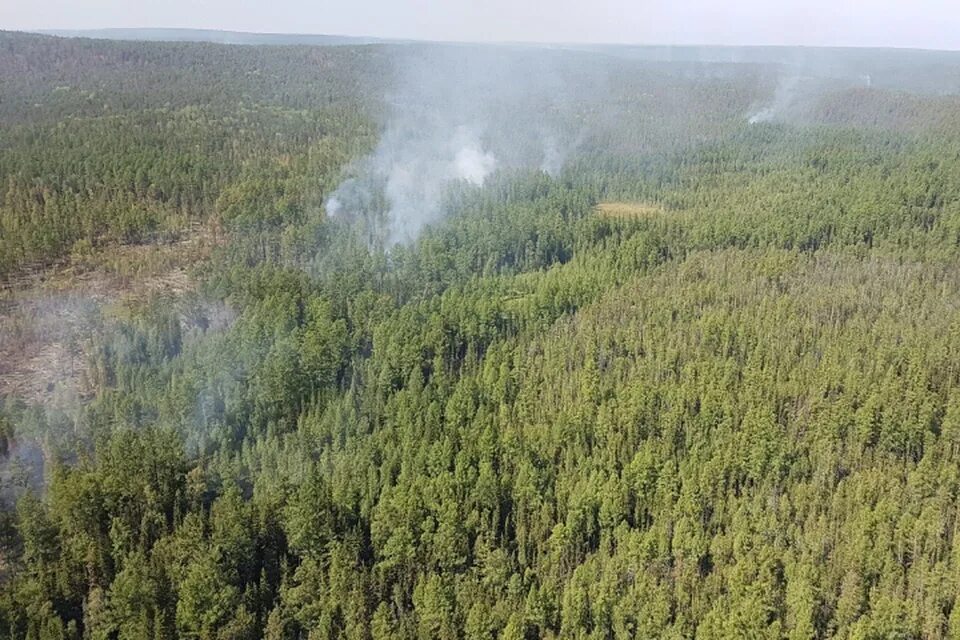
<point x="900" y="23"/>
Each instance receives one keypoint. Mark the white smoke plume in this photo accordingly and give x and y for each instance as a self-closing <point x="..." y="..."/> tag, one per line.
<point x="417" y="171"/>
<point x="454" y="117"/>
<point x="556" y="151"/>
<point x="783" y="98"/>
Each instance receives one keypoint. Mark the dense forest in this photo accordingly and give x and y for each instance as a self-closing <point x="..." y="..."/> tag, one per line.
<point x="671" y="351"/>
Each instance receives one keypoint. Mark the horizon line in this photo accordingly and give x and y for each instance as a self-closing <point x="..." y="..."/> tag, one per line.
<point x="84" y="33"/>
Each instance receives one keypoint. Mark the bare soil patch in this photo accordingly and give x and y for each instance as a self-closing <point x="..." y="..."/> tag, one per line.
<point x="50" y="317"/>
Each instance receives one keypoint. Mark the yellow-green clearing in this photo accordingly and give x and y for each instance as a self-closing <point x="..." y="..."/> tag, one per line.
<point x="630" y="210"/>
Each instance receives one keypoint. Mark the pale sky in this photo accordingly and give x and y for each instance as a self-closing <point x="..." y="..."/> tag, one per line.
<point x="931" y="24"/>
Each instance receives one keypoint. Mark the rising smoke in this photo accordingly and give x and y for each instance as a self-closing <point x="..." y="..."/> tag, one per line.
<point x="782" y="99"/>
<point x="455" y="116"/>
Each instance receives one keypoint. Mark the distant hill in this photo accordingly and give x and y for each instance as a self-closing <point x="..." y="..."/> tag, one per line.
<point x="212" y="35"/>
<point x="914" y="70"/>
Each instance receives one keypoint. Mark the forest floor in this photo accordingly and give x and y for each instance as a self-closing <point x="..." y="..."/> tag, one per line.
<point x="49" y="316"/>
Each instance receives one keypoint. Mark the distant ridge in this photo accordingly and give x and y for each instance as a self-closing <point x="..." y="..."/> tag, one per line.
<point x="879" y="68"/>
<point x="213" y="35"/>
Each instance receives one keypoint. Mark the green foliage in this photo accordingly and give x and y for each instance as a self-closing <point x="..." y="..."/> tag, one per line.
<point x="737" y="416"/>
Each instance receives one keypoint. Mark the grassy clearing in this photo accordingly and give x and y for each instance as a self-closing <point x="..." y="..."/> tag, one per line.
<point x="630" y="210"/>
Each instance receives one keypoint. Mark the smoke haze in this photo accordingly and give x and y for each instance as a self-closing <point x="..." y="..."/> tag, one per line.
<point x="454" y="116"/>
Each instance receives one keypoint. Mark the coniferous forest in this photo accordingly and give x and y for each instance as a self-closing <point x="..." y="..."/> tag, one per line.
<point x="397" y="340"/>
